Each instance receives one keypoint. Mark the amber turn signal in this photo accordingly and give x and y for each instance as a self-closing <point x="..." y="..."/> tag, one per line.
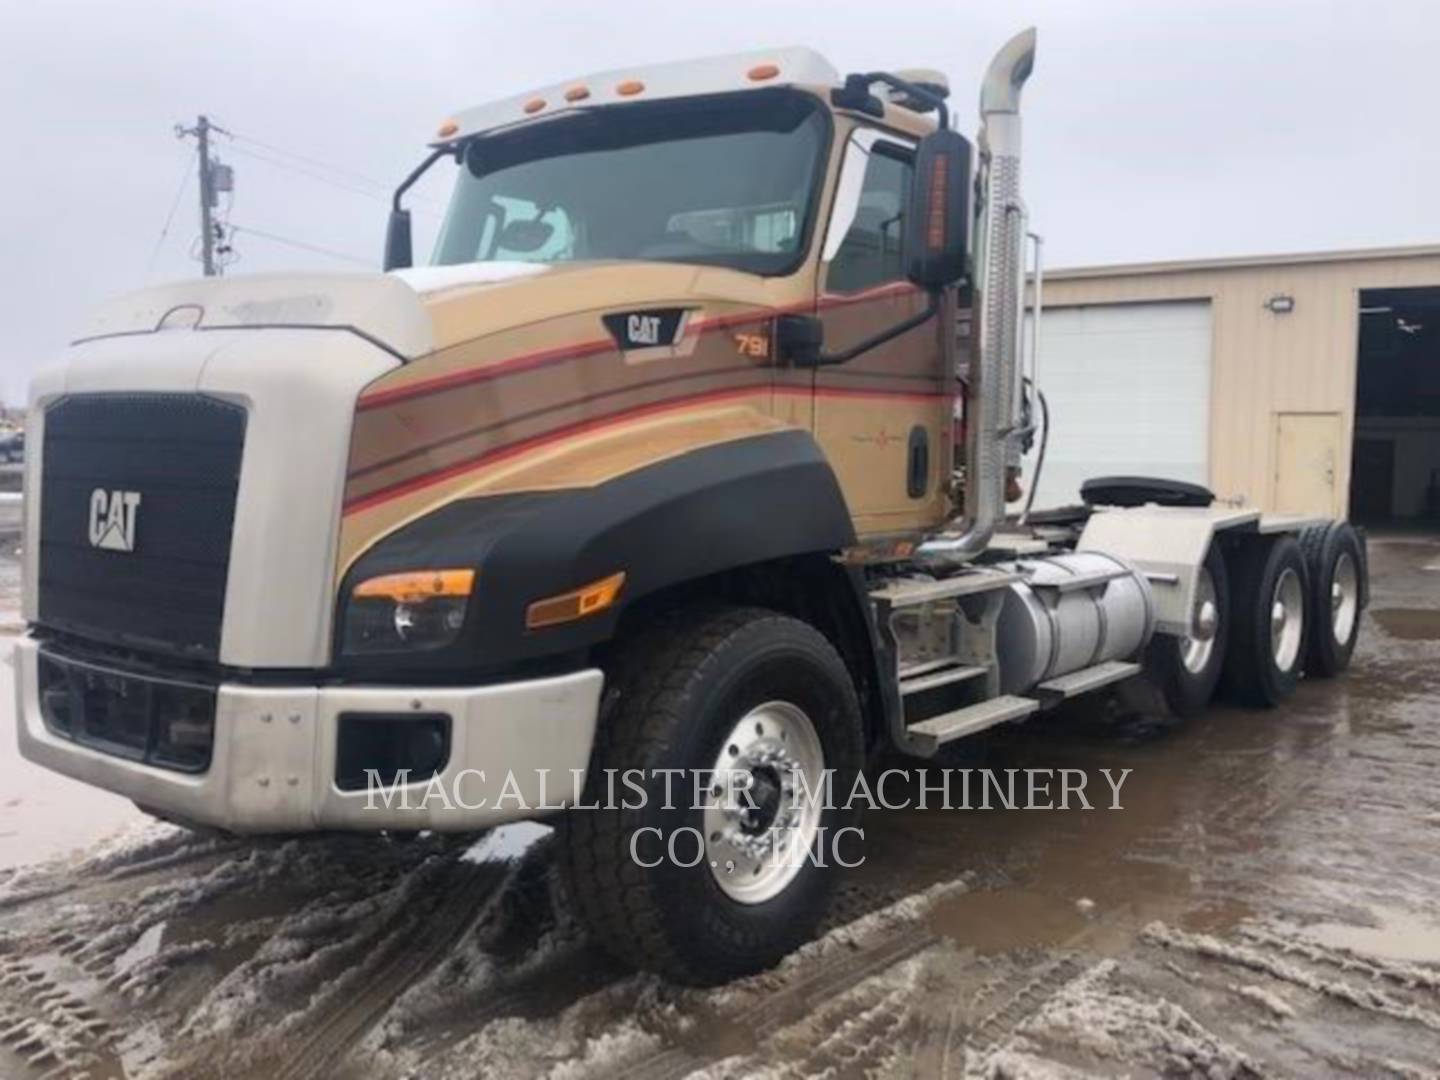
<point x="935" y="224"/>
<point x="416" y="585"/>
<point x="588" y="600"/>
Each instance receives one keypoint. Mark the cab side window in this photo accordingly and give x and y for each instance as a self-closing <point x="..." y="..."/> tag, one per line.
<point x="869" y="254"/>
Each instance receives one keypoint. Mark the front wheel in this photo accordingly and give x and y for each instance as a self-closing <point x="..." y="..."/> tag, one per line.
<point x="712" y="861"/>
<point x="1270" y="613"/>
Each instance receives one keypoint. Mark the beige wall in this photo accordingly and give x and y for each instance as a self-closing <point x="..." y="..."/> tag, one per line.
<point x="1265" y="364"/>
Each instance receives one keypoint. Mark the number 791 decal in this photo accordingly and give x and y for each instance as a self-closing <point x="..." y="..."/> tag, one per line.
<point x="756" y="346"/>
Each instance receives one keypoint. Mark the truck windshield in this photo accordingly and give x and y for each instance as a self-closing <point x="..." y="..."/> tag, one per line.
<point x="727" y="181"/>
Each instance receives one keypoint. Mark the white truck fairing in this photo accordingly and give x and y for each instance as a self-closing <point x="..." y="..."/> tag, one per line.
<point x="279" y="598"/>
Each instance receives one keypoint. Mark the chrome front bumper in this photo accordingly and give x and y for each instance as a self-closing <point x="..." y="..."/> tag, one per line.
<point x="517" y="750"/>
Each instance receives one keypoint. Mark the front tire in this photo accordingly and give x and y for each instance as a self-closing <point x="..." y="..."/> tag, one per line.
<point x="1337" y="570"/>
<point x="742" y="691"/>
<point x="1269" y="616"/>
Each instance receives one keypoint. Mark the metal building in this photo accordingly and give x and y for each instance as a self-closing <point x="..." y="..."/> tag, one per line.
<point x="1306" y="383"/>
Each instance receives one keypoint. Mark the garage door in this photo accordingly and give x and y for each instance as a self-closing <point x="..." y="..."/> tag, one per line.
<point x="1129" y="393"/>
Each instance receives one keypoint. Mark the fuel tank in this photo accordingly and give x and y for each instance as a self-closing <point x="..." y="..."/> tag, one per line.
<point x="1071" y="612"/>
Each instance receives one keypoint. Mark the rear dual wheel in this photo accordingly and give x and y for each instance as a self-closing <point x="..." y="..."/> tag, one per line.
<point x="1269" y="614"/>
<point x="1336" y="562"/>
<point x="1184" y="670"/>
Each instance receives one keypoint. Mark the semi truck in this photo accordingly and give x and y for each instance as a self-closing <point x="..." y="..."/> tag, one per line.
<point x="652" y="469"/>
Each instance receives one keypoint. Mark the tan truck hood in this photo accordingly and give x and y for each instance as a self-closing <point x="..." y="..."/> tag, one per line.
<point x="474" y="300"/>
<point x="415" y="312"/>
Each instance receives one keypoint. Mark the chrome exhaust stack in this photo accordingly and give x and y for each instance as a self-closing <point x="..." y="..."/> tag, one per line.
<point x="992" y="402"/>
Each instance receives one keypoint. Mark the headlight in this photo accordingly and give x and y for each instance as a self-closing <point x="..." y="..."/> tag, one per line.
<point x="420" y="609"/>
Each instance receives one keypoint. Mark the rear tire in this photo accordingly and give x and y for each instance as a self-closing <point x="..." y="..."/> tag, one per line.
<point x="1185" y="670"/>
<point x="705" y="687"/>
<point x="1269" y="616"/>
<point x="1336" y="563"/>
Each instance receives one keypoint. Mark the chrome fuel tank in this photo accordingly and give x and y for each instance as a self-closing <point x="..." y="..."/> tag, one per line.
<point x="1071" y="612"/>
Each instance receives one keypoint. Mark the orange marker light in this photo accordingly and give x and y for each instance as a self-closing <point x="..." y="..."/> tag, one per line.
<point x="416" y="585"/>
<point x="534" y="105"/>
<point x="935" y="225"/>
<point x="588" y="600"/>
<point x="577" y="93"/>
<point x="761" y="72"/>
<point x="629" y="88"/>
<point x="448" y="128"/>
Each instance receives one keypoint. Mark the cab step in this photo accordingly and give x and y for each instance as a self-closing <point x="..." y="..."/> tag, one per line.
<point x="1085" y="680"/>
<point x="913" y="593"/>
<point x="929" y="679"/>
<point x="929" y="735"/>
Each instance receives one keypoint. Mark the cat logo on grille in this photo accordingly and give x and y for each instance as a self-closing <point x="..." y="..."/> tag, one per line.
<point x="112" y="519"/>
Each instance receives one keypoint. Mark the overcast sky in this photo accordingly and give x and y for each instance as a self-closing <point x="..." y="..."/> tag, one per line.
<point x="1156" y="128"/>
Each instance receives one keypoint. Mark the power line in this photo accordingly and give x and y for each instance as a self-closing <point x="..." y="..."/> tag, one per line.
<point x="382" y="198"/>
<point x="302" y="171"/>
<point x="170" y="217"/>
<point x="371" y="186"/>
<point x="302" y="245"/>
<point x="314" y="162"/>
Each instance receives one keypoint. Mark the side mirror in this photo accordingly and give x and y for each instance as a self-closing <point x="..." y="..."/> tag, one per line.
<point x="799" y="339"/>
<point x="398" y="252"/>
<point x="937" y="224"/>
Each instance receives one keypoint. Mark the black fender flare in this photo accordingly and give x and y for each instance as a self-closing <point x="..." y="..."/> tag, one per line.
<point x="746" y="501"/>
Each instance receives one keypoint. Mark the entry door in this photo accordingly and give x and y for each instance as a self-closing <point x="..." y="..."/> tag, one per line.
<point x="883" y="418"/>
<point x="1307" y="449"/>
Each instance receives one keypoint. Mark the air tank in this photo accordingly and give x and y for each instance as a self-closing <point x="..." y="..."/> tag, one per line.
<point x="1071" y="612"/>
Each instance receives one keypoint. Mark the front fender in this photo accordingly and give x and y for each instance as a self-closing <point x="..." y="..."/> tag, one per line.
<point x="714" y="509"/>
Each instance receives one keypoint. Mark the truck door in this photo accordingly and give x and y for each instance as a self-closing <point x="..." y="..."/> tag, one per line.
<point x="883" y="418"/>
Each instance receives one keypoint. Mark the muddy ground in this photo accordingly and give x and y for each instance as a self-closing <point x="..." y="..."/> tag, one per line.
<point x="1264" y="905"/>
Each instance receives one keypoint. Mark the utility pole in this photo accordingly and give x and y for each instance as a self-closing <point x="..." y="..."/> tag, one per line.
<point x="210" y="172"/>
<point x="207" y="197"/>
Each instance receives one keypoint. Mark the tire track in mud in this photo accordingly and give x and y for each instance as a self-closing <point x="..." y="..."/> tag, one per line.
<point x="1267" y="957"/>
<point x="66" y="882"/>
<point x="832" y="977"/>
<point x="48" y="1029"/>
<point x="1022" y="994"/>
<point x="343" y="1024"/>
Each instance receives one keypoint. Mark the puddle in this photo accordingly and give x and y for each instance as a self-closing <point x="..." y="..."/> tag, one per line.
<point x="997" y="920"/>
<point x="1410" y="624"/>
<point x="1397" y="935"/>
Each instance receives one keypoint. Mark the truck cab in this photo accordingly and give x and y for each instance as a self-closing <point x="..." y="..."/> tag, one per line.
<point x="648" y="469"/>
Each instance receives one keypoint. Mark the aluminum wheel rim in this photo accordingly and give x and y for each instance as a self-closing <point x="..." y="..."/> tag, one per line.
<point x="753" y="855"/>
<point x="1287" y="619"/>
<point x="1344" y="598"/>
<point x="1198" y="646"/>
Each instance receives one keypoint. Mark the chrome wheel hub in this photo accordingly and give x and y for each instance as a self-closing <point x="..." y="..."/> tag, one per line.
<point x="1287" y="619"/>
<point x="1197" y="646"/>
<point x="763" y="806"/>
<point x="1344" y="598"/>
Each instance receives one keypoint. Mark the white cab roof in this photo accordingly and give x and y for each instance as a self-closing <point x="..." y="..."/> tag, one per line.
<point x="684" y="78"/>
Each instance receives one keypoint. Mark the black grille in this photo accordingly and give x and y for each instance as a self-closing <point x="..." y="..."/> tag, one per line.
<point x="181" y="454"/>
<point x="161" y="722"/>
